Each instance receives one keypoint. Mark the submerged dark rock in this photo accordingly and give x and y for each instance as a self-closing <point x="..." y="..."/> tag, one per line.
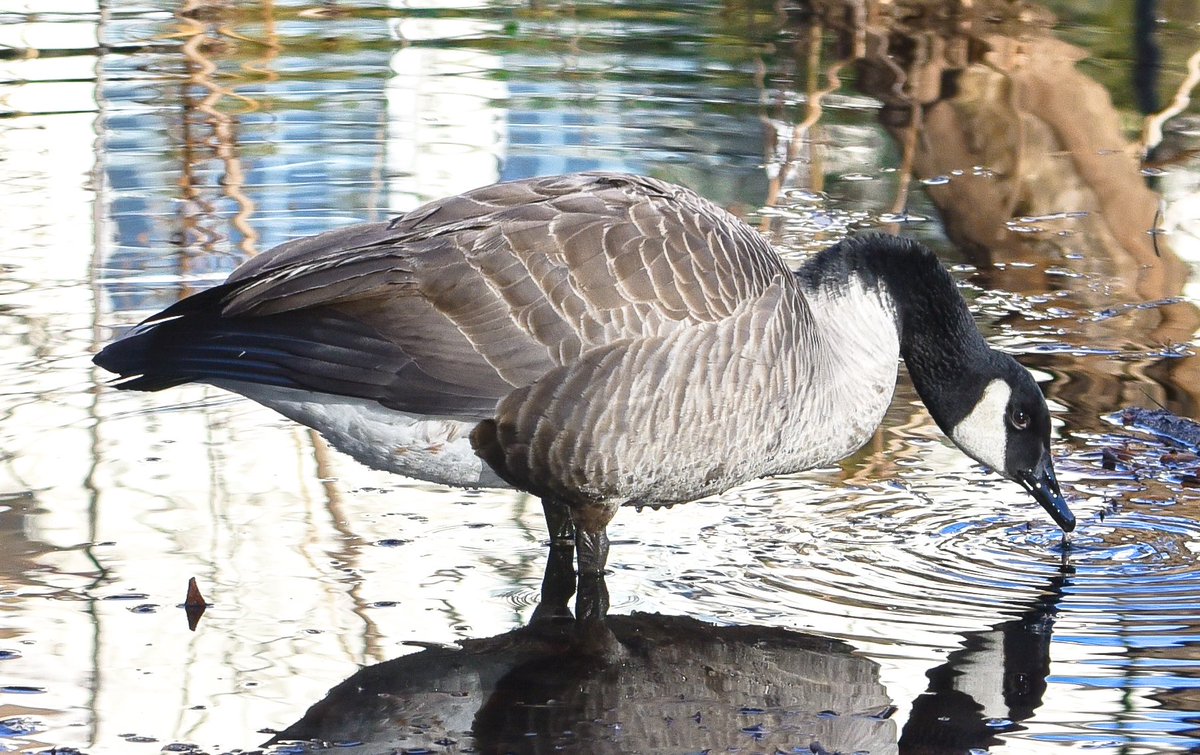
<point x="1164" y="424"/>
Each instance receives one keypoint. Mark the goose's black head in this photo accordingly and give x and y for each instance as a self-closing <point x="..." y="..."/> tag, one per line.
<point x="998" y="417"/>
<point x="987" y="403"/>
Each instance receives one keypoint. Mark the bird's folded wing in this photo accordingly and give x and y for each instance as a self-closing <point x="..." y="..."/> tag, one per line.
<point x="491" y="289"/>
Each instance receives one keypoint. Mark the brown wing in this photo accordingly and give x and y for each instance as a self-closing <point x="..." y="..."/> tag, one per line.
<point x="494" y="288"/>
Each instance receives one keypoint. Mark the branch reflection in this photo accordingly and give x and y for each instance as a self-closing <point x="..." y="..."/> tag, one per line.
<point x="1023" y="154"/>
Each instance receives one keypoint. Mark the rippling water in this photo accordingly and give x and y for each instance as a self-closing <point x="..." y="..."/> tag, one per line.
<point x="904" y="601"/>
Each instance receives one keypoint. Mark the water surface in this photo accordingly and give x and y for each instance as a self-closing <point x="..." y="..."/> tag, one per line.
<point x="146" y="149"/>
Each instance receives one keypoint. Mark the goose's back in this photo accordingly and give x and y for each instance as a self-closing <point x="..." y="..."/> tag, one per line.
<point x="492" y="289"/>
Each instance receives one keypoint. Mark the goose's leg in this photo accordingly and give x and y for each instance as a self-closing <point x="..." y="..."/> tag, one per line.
<point x="591" y="536"/>
<point x="558" y="583"/>
<point x="592" y="603"/>
<point x="591" y="548"/>
<point x="558" y="522"/>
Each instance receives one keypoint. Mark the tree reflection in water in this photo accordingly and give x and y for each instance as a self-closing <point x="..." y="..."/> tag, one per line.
<point x="1024" y="157"/>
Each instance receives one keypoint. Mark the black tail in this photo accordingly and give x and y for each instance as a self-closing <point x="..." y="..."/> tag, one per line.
<point x="190" y="341"/>
<point x="318" y="349"/>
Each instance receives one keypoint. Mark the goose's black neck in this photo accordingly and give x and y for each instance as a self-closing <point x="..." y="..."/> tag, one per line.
<point x="938" y="339"/>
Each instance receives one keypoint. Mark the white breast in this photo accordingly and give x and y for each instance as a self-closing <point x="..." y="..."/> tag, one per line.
<point x="435" y="450"/>
<point x="854" y="369"/>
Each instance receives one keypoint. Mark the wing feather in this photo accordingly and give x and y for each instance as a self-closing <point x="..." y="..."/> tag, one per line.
<point x="488" y="291"/>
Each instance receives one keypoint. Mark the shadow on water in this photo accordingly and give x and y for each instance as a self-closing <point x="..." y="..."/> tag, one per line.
<point x="653" y="683"/>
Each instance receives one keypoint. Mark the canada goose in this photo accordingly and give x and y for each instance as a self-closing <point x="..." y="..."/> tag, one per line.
<point x="597" y="340"/>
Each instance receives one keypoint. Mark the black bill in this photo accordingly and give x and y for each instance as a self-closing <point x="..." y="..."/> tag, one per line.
<point x="1043" y="486"/>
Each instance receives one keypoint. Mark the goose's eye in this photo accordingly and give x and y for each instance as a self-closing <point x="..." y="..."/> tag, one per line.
<point x="1019" y="420"/>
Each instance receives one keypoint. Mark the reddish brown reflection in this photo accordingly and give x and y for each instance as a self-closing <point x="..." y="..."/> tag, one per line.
<point x="1027" y="161"/>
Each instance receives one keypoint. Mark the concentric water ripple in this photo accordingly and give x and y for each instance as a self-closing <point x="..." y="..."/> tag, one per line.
<point x="875" y="556"/>
<point x="933" y="554"/>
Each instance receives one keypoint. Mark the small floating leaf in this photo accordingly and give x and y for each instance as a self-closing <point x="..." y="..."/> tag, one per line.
<point x="194" y="604"/>
<point x="194" y="598"/>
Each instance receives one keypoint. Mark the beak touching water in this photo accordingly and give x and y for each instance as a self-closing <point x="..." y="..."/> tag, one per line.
<point x="1043" y="486"/>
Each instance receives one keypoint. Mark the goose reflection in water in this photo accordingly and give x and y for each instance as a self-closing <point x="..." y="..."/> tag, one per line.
<point x="653" y="683"/>
<point x="990" y="685"/>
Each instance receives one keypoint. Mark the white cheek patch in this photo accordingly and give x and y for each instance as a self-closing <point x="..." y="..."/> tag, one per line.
<point x="983" y="433"/>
